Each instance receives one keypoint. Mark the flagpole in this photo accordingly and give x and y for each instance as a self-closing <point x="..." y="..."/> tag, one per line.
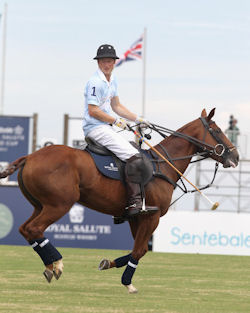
<point x="144" y="71"/>
<point x="143" y="78"/>
<point x="3" y="58"/>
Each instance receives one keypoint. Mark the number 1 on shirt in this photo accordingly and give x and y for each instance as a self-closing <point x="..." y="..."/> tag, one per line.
<point x="93" y="93"/>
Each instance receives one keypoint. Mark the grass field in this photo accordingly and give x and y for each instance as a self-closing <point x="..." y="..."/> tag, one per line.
<point x="168" y="283"/>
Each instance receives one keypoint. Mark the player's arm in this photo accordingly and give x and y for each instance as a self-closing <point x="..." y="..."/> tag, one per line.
<point x="121" y="110"/>
<point x="96" y="112"/>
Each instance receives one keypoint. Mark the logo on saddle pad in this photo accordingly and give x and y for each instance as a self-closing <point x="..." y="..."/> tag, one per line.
<point x="108" y="165"/>
<point x="111" y="167"/>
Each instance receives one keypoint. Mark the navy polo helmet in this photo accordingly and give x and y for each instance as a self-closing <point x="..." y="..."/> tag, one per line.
<point x="106" y="51"/>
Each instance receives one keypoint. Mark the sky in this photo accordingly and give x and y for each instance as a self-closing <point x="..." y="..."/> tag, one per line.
<point x="197" y="56"/>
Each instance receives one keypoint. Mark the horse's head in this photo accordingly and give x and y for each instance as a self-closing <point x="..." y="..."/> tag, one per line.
<point x="220" y="147"/>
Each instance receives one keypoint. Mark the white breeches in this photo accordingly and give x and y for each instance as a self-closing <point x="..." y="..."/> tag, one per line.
<point x="113" y="141"/>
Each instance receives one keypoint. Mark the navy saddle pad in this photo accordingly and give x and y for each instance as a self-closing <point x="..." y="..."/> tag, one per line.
<point x="108" y="165"/>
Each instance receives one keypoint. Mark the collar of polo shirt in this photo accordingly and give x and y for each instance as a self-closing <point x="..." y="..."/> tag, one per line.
<point x="103" y="77"/>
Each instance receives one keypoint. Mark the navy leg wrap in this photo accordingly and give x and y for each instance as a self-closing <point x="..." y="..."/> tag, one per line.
<point x="120" y="262"/>
<point x="47" y="252"/>
<point x="129" y="271"/>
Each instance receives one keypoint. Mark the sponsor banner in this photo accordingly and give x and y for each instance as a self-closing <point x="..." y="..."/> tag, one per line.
<point x="203" y="232"/>
<point x="81" y="227"/>
<point x="14" y="139"/>
<point x="85" y="228"/>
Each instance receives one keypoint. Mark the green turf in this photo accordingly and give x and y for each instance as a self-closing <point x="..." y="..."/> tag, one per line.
<point x="166" y="282"/>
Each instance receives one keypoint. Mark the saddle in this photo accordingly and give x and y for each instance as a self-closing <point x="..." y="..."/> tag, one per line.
<point x="107" y="162"/>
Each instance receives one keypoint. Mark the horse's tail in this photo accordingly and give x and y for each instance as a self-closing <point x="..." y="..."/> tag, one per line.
<point x="12" y="167"/>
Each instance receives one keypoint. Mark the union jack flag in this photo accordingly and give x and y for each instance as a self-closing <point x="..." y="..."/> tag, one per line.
<point x="132" y="54"/>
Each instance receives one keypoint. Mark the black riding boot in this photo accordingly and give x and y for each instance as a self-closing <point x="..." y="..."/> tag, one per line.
<point x="134" y="199"/>
<point x="133" y="179"/>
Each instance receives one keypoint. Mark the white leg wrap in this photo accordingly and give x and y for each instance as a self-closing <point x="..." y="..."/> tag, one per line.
<point x="132" y="264"/>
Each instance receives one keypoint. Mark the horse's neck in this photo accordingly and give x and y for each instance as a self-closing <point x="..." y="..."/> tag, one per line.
<point x="178" y="147"/>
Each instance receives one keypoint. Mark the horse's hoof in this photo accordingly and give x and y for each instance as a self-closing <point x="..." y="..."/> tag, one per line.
<point x="58" y="269"/>
<point x="131" y="288"/>
<point x="48" y="275"/>
<point x="104" y="265"/>
<point x="57" y="274"/>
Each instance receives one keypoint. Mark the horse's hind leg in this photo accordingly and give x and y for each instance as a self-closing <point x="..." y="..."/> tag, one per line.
<point x="50" y="256"/>
<point x="22" y="228"/>
<point x="26" y="234"/>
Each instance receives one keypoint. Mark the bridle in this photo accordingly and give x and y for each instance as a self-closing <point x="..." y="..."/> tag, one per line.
<point x="215" y="134"/>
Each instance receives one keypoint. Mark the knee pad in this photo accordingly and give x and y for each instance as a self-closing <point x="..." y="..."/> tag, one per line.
<point x="139" y="169"/>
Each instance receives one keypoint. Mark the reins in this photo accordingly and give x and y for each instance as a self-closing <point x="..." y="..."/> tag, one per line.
<point x="162" y="132"/>
<point x="199" y="143"/>
<point x="170" y="163"/>
<point x="207" y="151"/>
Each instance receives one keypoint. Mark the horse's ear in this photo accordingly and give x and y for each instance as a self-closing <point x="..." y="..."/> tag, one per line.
<point x="203" y="113"/>
<point x="211" y="114"/>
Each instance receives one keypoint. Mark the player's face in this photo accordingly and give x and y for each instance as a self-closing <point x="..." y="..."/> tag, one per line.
<point x="106" y="65"/>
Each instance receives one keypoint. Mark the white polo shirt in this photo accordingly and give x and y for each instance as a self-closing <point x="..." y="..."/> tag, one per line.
<point x="98" y="91"/>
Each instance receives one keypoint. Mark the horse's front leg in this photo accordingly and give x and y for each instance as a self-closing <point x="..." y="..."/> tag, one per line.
<point x="122" y="261"/>
<point x="145" y="228"/>
<point x="119" y="262"/>
<point x="142" y="228"/>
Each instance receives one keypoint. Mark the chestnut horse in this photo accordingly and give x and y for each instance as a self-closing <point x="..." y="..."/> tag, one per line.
<point x="55" y="177"/>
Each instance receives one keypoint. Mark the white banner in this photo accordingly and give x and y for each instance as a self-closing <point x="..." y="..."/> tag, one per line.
<point x="203" y="232"/>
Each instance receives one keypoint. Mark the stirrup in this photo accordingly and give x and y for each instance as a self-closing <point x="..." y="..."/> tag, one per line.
<point x="132" y="211"/>
<point x="140" y="211"/>
<point x="147" y="209"/>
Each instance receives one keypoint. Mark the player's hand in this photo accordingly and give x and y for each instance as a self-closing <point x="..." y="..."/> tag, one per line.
<point x="142" y="120"/>
<point x="120" y="122"/>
